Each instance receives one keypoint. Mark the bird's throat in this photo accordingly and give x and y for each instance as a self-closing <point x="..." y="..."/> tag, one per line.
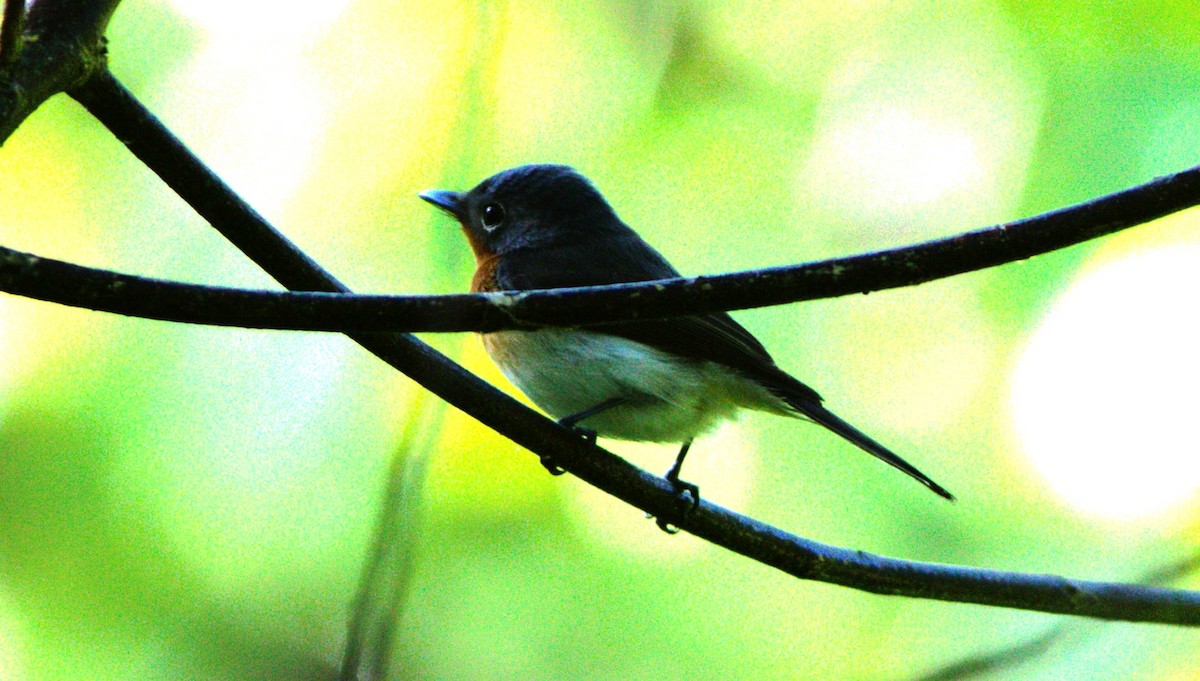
<point x="484" y="280"/>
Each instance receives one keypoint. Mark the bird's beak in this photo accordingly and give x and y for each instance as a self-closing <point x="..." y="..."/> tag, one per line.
<point x="451" y="202"/>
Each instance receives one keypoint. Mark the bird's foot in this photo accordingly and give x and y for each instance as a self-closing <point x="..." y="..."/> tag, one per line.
<point x="589" y="436"/>
<point x="687" y="499"/>
<point x="551" y="465"/>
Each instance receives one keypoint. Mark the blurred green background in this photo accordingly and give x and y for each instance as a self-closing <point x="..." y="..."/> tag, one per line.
<point x="181" y="502"/>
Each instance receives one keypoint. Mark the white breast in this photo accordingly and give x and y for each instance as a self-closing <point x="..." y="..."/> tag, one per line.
<point x="565" y="371"/>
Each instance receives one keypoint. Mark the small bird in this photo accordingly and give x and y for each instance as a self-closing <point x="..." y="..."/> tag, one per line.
<point x="664" y="380"/>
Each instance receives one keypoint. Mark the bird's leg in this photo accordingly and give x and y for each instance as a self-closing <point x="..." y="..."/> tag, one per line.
<point x="589" y="435"/>
<point x="687" y="494"/>
<point x="570" y="421"/>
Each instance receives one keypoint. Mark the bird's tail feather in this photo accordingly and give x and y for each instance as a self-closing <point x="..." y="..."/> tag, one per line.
<point x="814" y="410"/>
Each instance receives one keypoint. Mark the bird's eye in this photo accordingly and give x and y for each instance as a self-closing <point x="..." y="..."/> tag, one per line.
<point x="493" y="216"/>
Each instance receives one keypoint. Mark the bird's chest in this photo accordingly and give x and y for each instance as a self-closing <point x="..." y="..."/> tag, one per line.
<point x="565" y="371"/>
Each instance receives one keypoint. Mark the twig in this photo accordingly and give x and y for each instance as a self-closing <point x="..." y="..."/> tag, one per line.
<point x="56" y="281"/>
<point x="1002" y="660"/>
<point x="147" y="138"/>
<point x="387" y="572"/>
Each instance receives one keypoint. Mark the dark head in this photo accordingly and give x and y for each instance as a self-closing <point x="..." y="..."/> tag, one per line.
<point x="534" y="205"/>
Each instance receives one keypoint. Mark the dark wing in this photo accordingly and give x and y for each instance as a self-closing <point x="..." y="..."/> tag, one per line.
<point x="616" y="260"/>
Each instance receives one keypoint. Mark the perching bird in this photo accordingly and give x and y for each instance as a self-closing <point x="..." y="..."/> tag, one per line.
<point x="667" y="380"/>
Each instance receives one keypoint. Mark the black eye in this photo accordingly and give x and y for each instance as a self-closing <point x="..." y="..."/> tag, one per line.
<point x="493" y="216"/>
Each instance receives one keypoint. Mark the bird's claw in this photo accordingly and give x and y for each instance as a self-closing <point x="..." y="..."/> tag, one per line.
<point x="548" y="462"/>
<point x="589" y="436"/>
<point x="551" y="465"/>
<point x="687" y="499"/>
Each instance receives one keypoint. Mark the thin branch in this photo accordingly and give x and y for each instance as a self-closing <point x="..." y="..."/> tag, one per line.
<point x="1003" y="660"/>
<point x="147" y="138"/>
<point x="388" y="569"/>
<point x="51" y="280"/>
<point x="11" y="40"/>
<point x="56" y="281"/>
<point x="1024" y="652"/>
<point x="61" y="45"/>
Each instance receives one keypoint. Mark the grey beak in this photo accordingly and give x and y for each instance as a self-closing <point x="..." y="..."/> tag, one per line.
<point x="449" y="201"/>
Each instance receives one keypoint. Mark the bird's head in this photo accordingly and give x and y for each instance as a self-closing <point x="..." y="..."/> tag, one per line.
<point x="527" y="206"/>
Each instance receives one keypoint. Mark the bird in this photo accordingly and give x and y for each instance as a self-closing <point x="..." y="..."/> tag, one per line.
<point x="546" y="226"/>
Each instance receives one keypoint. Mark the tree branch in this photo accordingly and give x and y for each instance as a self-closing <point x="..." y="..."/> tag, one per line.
<point x="1007" y="658"/>
<point x="11" y="40"/>
<point x="56" y="281"/>
<point x="165" y="155"/>
<point x="59" y="45"/>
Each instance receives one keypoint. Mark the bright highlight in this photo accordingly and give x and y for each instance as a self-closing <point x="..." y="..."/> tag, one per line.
<point x="1105" y="397"/>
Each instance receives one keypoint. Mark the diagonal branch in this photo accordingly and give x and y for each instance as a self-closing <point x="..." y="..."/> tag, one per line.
<point x="147" y="138"/>
<point x="56" y="281"/>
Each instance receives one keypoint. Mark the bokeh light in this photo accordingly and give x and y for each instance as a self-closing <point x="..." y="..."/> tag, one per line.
<point x="1104" y="395"/>
<point x="891" y="159"/>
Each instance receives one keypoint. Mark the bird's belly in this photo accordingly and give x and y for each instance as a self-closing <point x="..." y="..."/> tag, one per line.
<point x="668" y="399"/>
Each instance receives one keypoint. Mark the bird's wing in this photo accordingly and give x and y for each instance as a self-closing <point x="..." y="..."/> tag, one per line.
<point x="711" y="337"/>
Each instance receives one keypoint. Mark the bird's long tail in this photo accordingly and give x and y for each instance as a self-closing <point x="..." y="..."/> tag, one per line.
<point x="813" y="409"/>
